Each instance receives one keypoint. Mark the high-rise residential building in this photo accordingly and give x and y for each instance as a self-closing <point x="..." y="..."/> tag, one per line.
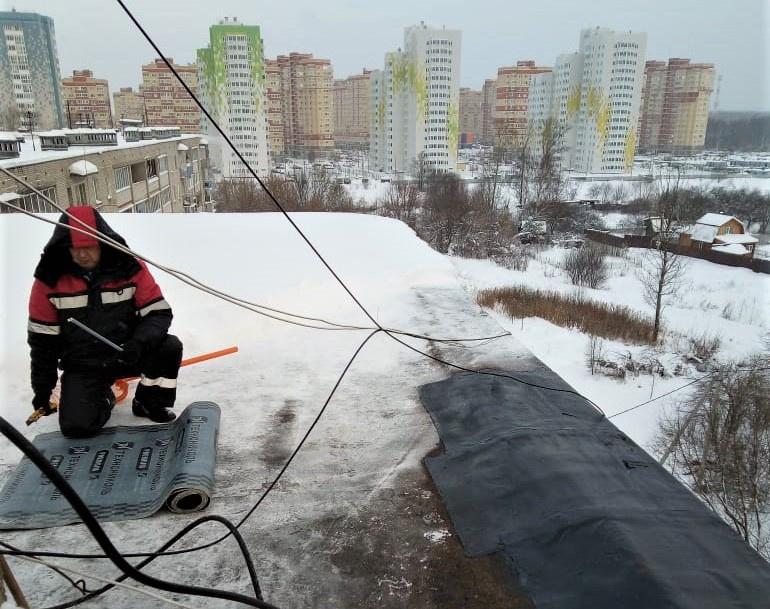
<point x="675" y="106"/>
<point x="415" y="103"/>
<point x="30" y="80"/>
<point x="166" y="101"/>
<point x="555" y="98"/>
<point x="307" y="100"/>
<point x="274" y="109"/>
<point x="128" y="104"/>
<point x="595" y="97"/>
<point x="231" y="80"/>
<point x="87" y="100"/>
<point x="470" y="116"/>
<point x="511" y="118"/>
<point x="610" y="98"/>
<point x="488" y="92"/>
<point x="352" y="98"/>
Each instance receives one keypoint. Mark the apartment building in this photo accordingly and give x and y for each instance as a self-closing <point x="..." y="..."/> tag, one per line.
<point x="555" y="99"/>
<point x="166" y="101"/>
<point x="511" y="113"/>
<point x="30" y="79"/>
<point x="470" y="116"/>
<point x="162" y="173"/>
<point x="610" y="100"/>
<point x="87" y="100"/>
<point x="415" y="103"/>
<point x="488" y="93"/>
<point x="675" y="106"/>
<point x="594" y="98"/>
<point x="307" y="103"/>
<point x="231" y="80"/>
<point x="274" y="109"/>
<point x="352" y="99"/>
<point x="129" y="104"/>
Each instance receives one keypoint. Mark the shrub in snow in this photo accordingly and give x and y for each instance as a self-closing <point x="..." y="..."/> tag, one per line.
<point x="587" y="266"/>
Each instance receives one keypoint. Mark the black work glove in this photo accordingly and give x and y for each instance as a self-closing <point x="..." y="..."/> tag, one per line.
<point x="131" y="354"/>
<point x="42" y="402"/>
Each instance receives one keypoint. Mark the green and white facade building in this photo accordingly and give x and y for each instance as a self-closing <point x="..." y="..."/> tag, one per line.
<point x="415" y="103"/>
<point x="594" y="95"/>
<point x="30" y="79"/>
<point x="231" y="79"/>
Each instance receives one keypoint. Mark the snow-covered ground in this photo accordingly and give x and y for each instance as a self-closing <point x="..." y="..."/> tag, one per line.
<point x="715" y="301"/>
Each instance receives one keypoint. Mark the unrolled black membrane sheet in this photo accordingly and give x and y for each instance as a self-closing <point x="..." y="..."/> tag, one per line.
<point x="587" y="519"/>
<point x="123" y="473"/>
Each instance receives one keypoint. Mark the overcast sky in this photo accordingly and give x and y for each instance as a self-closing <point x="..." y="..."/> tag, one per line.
<point x="732" y="34"/>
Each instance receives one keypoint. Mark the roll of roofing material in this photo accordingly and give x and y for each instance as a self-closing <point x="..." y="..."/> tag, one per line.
<point x="122" y="473"/>
<point x="186" y="500"/>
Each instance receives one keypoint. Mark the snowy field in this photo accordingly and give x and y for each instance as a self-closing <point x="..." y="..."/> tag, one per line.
<point x="715" y="301"/>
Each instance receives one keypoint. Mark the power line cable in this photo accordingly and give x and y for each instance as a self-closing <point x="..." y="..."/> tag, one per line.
<point x="698" y="380"/>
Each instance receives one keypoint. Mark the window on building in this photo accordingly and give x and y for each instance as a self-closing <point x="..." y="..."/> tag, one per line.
<point x="152" y="169"/>
<point x="122" y="178"/>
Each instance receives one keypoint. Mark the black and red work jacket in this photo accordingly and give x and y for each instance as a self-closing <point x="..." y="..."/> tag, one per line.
<point x="119" y="299"/>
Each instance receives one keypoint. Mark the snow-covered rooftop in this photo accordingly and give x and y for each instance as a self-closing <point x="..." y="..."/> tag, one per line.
<point x="28" y="156"/>
<point x="704" y="232"/>
<point x="713" y="219"/>
<point x="731" y="248"/>
<point x="737" y="238"/>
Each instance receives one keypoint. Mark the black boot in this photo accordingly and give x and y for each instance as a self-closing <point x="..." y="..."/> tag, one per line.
<point x="158" y="415"/>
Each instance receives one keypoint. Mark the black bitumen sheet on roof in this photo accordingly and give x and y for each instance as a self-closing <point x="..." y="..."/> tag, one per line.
<point x="587" y="518"/>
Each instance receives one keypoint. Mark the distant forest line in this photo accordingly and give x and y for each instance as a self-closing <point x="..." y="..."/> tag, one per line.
<point x="738" y="131"/>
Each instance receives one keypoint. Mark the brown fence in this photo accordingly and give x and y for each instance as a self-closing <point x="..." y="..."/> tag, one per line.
<point x="757" y="265"/>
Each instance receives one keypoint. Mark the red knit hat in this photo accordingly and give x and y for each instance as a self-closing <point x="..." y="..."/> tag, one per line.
<point x="87" y="215"/>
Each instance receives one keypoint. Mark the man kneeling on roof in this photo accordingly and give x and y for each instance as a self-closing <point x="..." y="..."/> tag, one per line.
<point x="112" y="293"/>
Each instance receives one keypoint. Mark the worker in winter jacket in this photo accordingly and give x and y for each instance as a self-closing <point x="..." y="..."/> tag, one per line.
<point x="114" y="294"/>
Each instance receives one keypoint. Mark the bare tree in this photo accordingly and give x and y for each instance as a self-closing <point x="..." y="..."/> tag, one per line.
<point x="447" y="210"/>
<point x="664" y="271"/>
<point x="401" y="202"/>
<point x="421" y="170"/>
<point x="719" y="443"/>
<point x="11" y="117"/>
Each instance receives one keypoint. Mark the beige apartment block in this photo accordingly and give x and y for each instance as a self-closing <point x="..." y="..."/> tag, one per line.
<point x="675" y="106"/>
<point x="352" y="97"/>
<point x="488" y="93"/>
<point x="307" y="103"/>
<point x="86" y="100"/>
<point x="128" y="104"/>
<point x="166" y="175"/>
<point x="511" y="114"/>
<point x="470" y="115"/>
<point x="166" y="101"/>
<point x="274" y="107"/>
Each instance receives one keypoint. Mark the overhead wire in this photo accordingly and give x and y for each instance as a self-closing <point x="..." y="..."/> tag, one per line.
<point x="698" y="380"/>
